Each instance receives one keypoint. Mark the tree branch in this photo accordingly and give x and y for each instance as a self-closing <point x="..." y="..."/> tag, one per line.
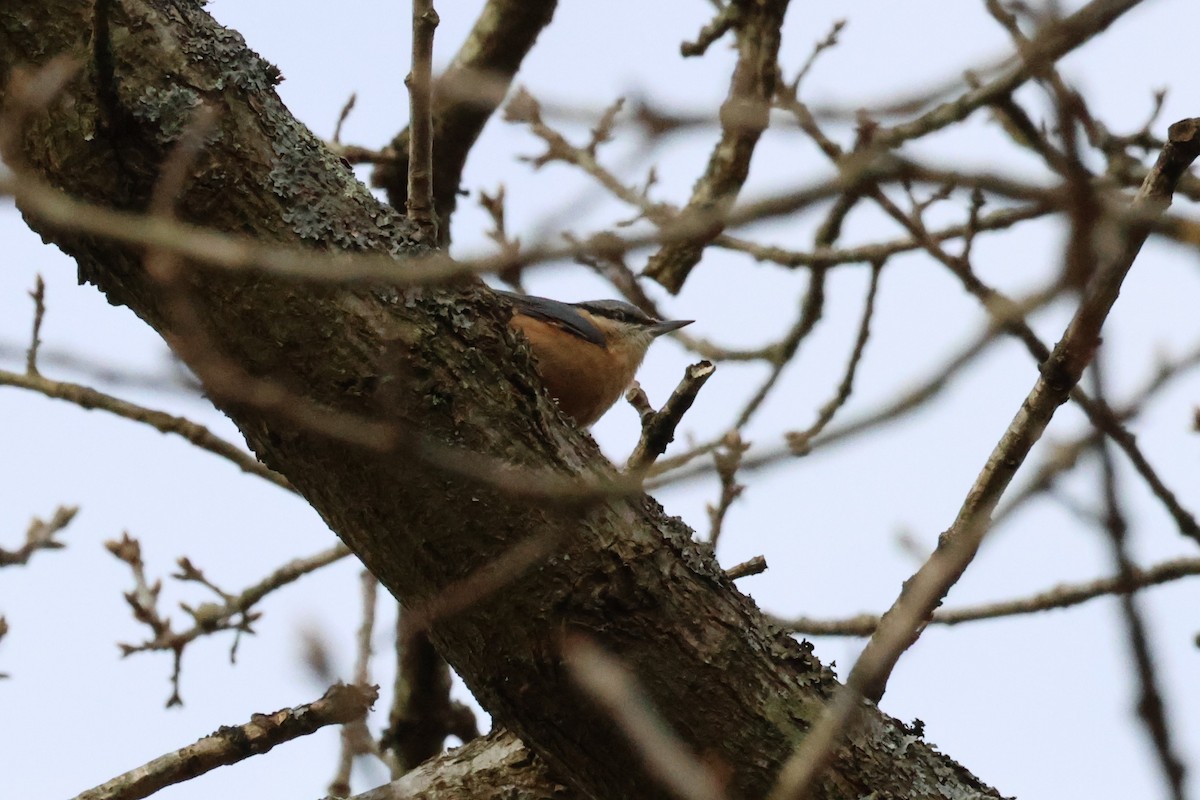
<point x="232" y="744"/>
<point x="465" y="97"/>
<point x="90" y="399"/>
<point x="621" y="571"/>
<point x="744" y="116"/>
<point x="900" y="627"/>
<point x="419" y="203"/>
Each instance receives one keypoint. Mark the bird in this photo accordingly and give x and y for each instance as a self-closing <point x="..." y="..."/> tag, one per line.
<point x="588" y="352"/>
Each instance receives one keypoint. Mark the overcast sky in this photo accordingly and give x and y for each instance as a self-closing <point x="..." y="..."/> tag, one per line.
<point x="1035" y="706"/>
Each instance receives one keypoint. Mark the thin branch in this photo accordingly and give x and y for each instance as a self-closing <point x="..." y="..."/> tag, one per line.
<point x="998" y="220"/>
<point x="488" y="579"/>
<point x="464" y="99"/>
<point x="143" y="601"/>
<point x="173" y="379"/>
<point x="905" y="403"/>
<point x="231" y="744"/>
<point x="248" y="254"/>
<point x="658" y="427"/>
<point x="87" y="398"/>
<point x="722" y="22"/>
<point x="356" y="737"/>
<point x="1139" y="217"/>
<point x="830" y="40"/>
<point x="801" y="441"/>
<point x="727" y="459"/>
<point x="1150" y="705"/>
<point x="812" y="308"/>
<point x="373" y="434"/>
<point x="509" y="246"/>
<point x="744" y="116"/>
<point x="210" y="617"/>
<point x="343" y="116"/>
<point x="753" y="566"/>
<point x="900" y="627"/>
<point x="38" y="294"/>
<point x="1013" y="322"/>
<point x="1062" y="458"/>
<point x="1051" y="44"/>
<point x="234" y="612"/>
<point x="419" y="204"/>
<point x="615" y="689"/>
<point x="1060" y="597"/>
<point x="40" y="536"/>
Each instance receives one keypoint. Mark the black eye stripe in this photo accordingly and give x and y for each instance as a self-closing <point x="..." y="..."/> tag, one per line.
<point x="618" y="311"/>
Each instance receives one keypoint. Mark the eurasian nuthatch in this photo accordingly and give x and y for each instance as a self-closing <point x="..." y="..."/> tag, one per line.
<point x="587" y="352"/>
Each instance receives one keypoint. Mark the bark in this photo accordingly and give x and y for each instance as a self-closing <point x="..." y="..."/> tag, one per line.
<point x="492" y="767"/>
<point x="442" y="362"/>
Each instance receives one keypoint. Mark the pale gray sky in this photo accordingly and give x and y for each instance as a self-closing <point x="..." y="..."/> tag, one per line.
<point x="1036" y="706"/>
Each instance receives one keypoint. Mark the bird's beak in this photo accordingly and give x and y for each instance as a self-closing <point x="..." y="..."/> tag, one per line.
<point x="669" y="325"/>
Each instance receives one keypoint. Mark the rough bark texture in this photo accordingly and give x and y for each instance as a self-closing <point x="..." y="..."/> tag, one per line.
<point x="441" y="361"/>
<point x="492" y="767"/>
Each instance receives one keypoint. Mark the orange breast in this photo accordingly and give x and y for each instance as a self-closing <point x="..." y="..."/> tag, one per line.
<point x="585" y="379"/>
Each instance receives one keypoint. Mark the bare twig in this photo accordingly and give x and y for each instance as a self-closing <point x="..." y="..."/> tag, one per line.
<point x="419" y="205"/>
<point x="753" y="566"/>
<point x="3" y="633"/>
<point x="801" y="441"/>
<point x="616" y="690"/>
<point x="823" y="257"/>
<point x="1150" y="702"/>
<point x="200" y="436"/>
<point x="830" y="40"/>
<point x="356" y="739"/>
<point x="40" y="536"/>
<point x="658" y="427"/>
<point x="465" y="97"/>
<point x="493" y="576"/>
<point x="143" y="600"/>
<point x="370" y="433"/>
<point x="744" y="117"/>
<point x="343" y="116"/>
<point x="923" y="592"/>
<point x="1139" y="217"/>
<point x="231" y="744"/>
<point x="38" y="293"/>
<point x="510" y="247"/>
<point x="812" y="307"/>
<point x="172" y="379"/>
<point x="247" y="254"/>
<point x="905" y="403"/>
<point x="602" y="131"/>
<point x="1059" y="597"/>
<point x="1008" y="317"/>
<point x="722" y="22"/>
<point x="210" y="617"/>
<point x="234" y="612"/>
<point x="727" y="458"/>
<point x="1051" y="44"/>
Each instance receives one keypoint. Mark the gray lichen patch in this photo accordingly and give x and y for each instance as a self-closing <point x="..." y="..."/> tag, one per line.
<point x="169" y="108"/>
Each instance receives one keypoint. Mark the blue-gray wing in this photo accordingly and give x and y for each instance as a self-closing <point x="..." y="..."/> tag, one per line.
<point x="564" y="315"/>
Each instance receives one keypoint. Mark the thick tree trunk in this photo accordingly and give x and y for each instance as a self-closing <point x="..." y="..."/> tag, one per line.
<point x="436" y="361"/>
